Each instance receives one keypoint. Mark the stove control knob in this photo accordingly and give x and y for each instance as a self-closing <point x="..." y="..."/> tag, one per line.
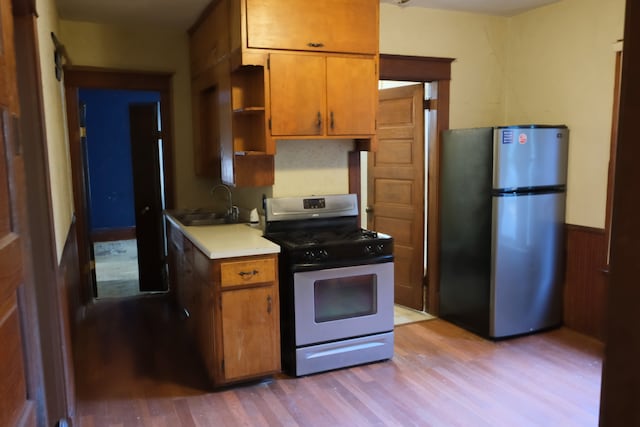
<point x="309" y="255"/>
<point x="373" y="250"/>
<point x="316" y="255"/>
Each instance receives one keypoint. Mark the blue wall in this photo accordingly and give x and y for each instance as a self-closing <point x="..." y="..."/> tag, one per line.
<point x="109" y="155"/>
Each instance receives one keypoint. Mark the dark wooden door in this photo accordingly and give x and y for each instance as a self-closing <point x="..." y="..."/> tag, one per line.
<point x="147" y="189"/>
<point x="16" y="408"/>
<point x="396" y="187"/>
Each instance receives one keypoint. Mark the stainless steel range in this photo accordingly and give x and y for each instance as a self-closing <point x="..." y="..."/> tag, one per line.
<point x="336" y="284"/>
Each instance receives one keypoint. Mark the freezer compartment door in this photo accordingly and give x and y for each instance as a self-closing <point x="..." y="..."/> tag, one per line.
<point x="527" y="263"/>
<point x="530" y="157"/>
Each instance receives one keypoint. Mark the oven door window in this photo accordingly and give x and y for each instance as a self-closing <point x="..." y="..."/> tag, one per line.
<point x="344" y="302"/>
<point x="345" y="297"/>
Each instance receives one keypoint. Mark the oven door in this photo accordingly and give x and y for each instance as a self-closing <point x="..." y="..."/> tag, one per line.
<point x="345" y="302"/>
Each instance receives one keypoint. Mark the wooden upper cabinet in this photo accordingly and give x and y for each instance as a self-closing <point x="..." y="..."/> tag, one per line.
<point x="352" y="95"/>
<point x="8" y="85"/>
<point x="323" y="95"/>
<point x="348" y="26"/>
<point x="209" y="40"/>
<point x="268" y="69"/>
<point x="298" y="94"/>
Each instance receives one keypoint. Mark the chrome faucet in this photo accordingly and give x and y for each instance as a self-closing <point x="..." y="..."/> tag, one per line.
<point x="232" y="211"/>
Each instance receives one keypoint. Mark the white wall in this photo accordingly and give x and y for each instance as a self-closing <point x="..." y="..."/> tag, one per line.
<point x="554" y="64"/>
<point x="478" y="44"/>
<point x="146" y="49"/>
<point x="55" y="125"/>
<point x="561" y="66"/>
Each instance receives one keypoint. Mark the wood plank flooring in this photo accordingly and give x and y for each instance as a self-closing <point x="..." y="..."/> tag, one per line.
<point x="135" y="368"/>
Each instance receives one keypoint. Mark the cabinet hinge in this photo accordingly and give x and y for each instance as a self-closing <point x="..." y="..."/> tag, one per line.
<point x="269" y="123"/>
<point x="83" y="132"/>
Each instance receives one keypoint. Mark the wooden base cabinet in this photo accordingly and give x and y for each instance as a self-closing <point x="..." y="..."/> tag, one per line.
<point x="231" y="308"/>
<point x="249" y="332"/>
<point x="247" y="322"/>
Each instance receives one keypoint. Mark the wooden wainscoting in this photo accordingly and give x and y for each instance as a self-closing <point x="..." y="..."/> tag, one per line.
<point x="70" y="307"/>
<point x="69" y="276"/>
<point x="585" y="291"/>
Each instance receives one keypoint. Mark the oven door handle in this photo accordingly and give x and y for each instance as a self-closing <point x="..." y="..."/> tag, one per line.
<point x="337" y="264"/>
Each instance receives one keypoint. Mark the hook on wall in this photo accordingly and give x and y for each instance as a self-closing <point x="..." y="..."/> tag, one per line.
<point x="59" y="53"/>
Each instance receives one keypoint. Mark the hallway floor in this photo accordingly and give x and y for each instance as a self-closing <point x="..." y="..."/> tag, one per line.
<point x="117" y="268"/>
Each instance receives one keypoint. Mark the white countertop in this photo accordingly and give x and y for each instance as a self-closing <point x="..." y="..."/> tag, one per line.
<point x="227" y="240"/>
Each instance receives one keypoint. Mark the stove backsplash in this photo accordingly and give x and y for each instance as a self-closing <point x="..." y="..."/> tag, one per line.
<point x="303" y="168"/>
<point x="312" y="167"/>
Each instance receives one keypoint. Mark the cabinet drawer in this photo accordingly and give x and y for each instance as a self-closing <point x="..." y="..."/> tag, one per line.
<point x="248" y="272"/>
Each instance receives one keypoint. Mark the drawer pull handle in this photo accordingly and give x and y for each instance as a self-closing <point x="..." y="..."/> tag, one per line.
<point x="313" y="44"/>
<point x="269" y="304"/>
<point x="319" y="120"/>
<point x="248" y="274"/>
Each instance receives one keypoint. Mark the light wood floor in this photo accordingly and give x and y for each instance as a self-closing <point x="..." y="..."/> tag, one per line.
<point x="134" y="368"/>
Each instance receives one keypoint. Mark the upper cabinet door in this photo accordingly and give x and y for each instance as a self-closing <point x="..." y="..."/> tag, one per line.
<point x="349" y="26"/>
<point x="298" y="95"/>
<point x="209" y="39"/>
<point x="352" y="95"/>
<point x="8" y="91"/>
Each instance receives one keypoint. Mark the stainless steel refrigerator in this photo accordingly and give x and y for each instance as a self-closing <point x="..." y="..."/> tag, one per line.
<point x="502" y="208"/>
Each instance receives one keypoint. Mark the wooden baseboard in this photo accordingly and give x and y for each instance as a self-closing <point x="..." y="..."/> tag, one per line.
<point x="585" y="280"/>
<point x="111" y="234"/>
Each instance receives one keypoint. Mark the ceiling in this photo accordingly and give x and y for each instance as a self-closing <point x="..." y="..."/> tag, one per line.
<point x="180" y="14"/>
<point x="488" y="7"/>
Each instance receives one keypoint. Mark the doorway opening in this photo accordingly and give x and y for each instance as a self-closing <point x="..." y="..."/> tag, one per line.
<point x="121" y="157"/>
<point x="393" y="192"/>
<point x="109" y="173"/>
<point x="419" y="70"/>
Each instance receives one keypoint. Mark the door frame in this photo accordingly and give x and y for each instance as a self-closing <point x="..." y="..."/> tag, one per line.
<point x="421" y="69"/>
<point x="44" y="302"/>
<point x="76" y="78"/>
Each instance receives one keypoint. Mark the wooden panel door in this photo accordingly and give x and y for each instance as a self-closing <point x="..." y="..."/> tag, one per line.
<point x="326" y="25"/>
<point x="352" y="94"/>
<point x="16" y="409"/>
<point x="396" y="187"/>
<point x="298" y="94"/>
<point x="148" y="197"/>
<point x="250" y="332"/>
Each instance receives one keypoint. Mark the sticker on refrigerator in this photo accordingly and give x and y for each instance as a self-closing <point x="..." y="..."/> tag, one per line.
<point x="522" y="138"/>
<point x="507" y="137"/>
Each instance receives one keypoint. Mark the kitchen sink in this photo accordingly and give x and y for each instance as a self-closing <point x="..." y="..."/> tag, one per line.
<point x="200" y="217"/>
